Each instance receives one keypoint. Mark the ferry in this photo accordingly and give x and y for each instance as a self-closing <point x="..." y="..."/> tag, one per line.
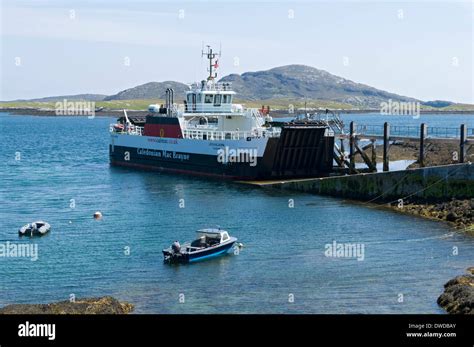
<point x="210" y="135"/>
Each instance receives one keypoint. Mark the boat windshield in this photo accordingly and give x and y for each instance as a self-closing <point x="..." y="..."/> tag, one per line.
<point x="206" y="240"/>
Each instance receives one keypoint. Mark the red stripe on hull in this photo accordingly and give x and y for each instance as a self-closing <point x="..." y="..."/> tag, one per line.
<point x="164" y="130"/>
<point x="184" y="172"/>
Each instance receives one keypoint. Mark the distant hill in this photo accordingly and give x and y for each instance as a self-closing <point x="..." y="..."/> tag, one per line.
<point x="291" y="82"/>
<point x="86" y="97"/>
<point x="284" y="82"/>
<point x="301" y="81"/>
<point x="151" y="90"/>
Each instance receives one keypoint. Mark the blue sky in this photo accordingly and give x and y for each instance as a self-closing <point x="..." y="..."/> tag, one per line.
<point x="420" y="49"/>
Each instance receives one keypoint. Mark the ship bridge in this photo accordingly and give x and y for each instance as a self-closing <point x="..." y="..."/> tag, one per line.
<point x="210" y="97"/>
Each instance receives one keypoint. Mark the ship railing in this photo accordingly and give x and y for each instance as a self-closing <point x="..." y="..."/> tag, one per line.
<point x="219" y="86"/>
<point x="412" y="131"/>
<point x="130" y="130"/>
<point x="200" y="134"/>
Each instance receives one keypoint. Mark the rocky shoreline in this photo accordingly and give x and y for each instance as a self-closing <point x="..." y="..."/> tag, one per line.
<point x="458" y="295"/>
<point x="101" y="305"/>
<point x="459" y="213"/>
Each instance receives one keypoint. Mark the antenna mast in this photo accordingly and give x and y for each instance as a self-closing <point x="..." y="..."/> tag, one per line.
<point x="211" y="56"/>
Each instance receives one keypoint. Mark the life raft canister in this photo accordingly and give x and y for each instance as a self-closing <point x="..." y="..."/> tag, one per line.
<point x="119" y="127"/>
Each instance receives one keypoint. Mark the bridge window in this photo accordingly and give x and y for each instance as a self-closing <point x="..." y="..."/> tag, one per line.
<point x="199" y="98"/>
<point x="226" y="99"/>
<point x="208" y="98"/>
<point x="217" y="100"/>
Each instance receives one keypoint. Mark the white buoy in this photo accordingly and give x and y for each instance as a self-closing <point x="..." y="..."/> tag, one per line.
<point x="97" y="215"/>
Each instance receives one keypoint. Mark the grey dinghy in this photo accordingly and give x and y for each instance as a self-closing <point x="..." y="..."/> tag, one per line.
<point x="38" y="228"/>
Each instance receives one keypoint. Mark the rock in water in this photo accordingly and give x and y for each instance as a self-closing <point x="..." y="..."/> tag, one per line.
<point x="458" y="296"/>
<point x="451" y="217"/>
<point x="103" y="305"/>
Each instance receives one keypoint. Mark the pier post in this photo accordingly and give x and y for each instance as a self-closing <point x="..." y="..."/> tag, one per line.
<point x="343" y="158"/>
<point x="374" y="153"/>
<point x="422" y="144"/>
<point x="462" y="143"/>
<point x="352" y="147"/>
<point x="386" y="144"/>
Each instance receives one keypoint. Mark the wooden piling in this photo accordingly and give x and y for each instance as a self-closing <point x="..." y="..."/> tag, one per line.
<point x="366" y="158"/>
<point x="338" y="156"/>
<point x="352" y="147"/>
<point x="386" y="144"/>
<point x="462" y="143"/>
<point x="374" y="152"/>
<point x="342" y="153"/>
<point x="421" y="156"/>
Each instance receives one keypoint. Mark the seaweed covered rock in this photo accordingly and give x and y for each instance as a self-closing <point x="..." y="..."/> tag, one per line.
<point x="102" y="305"/>
<point x="458" y="296"/>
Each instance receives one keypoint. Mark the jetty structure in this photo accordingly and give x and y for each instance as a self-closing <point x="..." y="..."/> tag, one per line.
<point x="455" y="179"/>
<point x="209" y="135"/>
<point x="362" y="139"/>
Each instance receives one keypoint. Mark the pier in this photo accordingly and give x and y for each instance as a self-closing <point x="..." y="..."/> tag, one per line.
<point x="435" y="183"/>
<point x="386" y="134"/>
<point x="429" y="183"/>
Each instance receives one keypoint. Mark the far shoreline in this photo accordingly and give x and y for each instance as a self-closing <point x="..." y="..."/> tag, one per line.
<point x="274" y="113"/>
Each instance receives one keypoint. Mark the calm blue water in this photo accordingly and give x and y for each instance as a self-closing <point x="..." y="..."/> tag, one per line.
<point x="66" y="158"/>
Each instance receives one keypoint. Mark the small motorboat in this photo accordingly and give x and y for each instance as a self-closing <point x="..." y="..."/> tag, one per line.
<point x="210" y="243"/>
<point x="38" y="228"/>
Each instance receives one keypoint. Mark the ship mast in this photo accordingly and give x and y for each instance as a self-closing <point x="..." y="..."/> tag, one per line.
<point x="211" y="56"/>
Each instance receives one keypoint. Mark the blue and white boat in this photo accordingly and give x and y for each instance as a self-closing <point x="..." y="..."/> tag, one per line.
<point x="210" y="243"/>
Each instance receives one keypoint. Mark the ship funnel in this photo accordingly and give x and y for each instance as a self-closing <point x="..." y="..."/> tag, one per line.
<point x="167" y="100"/>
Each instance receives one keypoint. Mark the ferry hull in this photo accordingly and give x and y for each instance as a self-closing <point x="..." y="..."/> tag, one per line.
<point x="297" y="153"/>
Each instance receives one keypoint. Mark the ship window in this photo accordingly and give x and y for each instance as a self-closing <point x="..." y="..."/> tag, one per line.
<point x="199" y="98"/>
<point x="208" y="98"/>
<point x="189" y="98"/>
<point x="217" y="100"/>
<point x="226" y="99"/>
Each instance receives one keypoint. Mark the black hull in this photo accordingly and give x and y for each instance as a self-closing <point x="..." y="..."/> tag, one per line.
<point x="299" y="152"/>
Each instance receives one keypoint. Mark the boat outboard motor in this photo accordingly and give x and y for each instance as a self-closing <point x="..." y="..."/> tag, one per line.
<point x="176" y="247"/>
